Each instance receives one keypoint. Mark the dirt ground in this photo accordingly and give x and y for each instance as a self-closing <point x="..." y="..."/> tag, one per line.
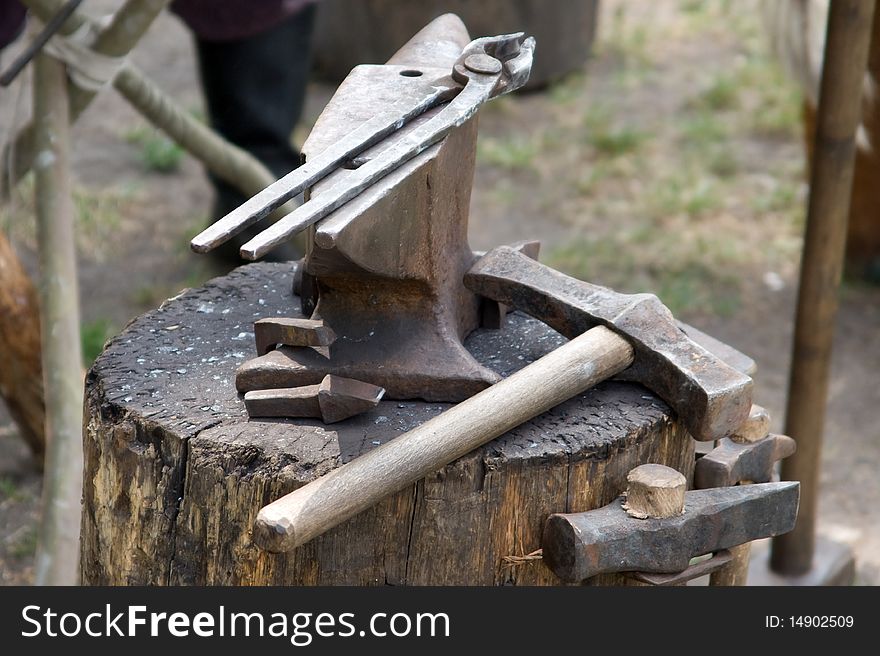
<point x="671" y="163"/>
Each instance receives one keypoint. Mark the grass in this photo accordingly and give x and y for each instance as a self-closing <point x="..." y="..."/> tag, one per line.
<point x="26" y="544"/>
<point x="609" y="138"/>
<point x="702" y="129"/>
<point x="688" y="280"/>
<point x="8" y="488"/>
<point x="510" y="153"/>
<point x="93" y="336"/>
<point x="685" y="193"/>
<point x="721" y="95"/>
<point x="566" y="90"/>
<point x="614" y="142"/>
<point x="775" y="109"/>
<point x="157" y="152"/>
<point x="99" y="217"/>
<point x="723" y="163"/>
<point x="150" y="296"/>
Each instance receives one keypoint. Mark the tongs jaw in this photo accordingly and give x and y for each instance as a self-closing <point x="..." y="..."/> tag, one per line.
<point x="487" y="67"/>
<point x="514" y="51"/>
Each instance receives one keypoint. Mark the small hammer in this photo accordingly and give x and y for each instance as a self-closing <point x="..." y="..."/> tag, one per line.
<point x="633" y="336"/>
<point x="661" y="527"/>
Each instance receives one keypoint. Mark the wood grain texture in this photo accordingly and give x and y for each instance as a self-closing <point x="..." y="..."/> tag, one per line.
<point x="654" y="491"/>
<point x="845" y="62"/>
<point x="56" y="558"/>
<point x="175" y="473"/>
<point x="753" y="429"/>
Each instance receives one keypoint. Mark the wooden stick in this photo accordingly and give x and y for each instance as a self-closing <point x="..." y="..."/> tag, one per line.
<point x="736" y="572"/>
<point x="227" y="161"/>
<point x="115" y="40"/>
<point x="655" y="491"/>
<point x="846" y="55"/>
<point x="21" y="374"/>
<point x="322" y="504"/>
<point x="58" y="544"/>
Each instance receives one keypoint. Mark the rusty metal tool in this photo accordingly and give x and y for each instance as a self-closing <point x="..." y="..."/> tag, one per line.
<point x="718" y="560"/>
<point x="487" y="67"/>
<point x="747" y="456"/>
<point x="269" y="333"/>
<point x="385" y="269"/>
<point x="49" y="30"/>
<point x="658" y="491"/>
<point x="711" y="397"/>
<point x="578" y="546"/>
<point x="492" y="313"/>
<point x="731" y="463"/>
<point x="714" y="398"/>
<point x="333" y="400"/>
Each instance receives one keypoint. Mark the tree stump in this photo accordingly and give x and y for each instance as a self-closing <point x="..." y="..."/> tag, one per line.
<point x="175" y="473"/>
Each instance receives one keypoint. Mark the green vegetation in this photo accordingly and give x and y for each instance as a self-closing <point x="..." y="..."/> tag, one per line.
<point x="149" y="296"/>
<point x="510" y="153"/>
<point x="687" y="279"/>
<point x="8" y="488"/>
<point x="93" y="336"/>
<point x="157" y="152"/>
<point x="25" y="545"/>
<point x="99" y="216"/>
<point x="722" y="94"/>
<point x="608" y="138"/>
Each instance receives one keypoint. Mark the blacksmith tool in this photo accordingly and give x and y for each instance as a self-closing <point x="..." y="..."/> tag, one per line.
<point x="487" y="68"/>
<point x="731" y="463"/>
<point x="632" y="336"/>
<point x="578" y="546"/>
<point x="712" y="397"/>
<point x="747" y="456"/>
<point x="270" y="333"/>
<point x="333" y="400"/>
<point x="384" y="270"/>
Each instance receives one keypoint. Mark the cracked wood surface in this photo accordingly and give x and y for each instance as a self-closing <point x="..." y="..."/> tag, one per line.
<point x="175" y="473"/>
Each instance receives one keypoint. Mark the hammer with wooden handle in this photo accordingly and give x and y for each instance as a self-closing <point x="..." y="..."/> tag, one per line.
<point x="634" y="334"/>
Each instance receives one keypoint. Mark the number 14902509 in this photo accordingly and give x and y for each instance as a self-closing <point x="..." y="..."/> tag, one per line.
<point x="809" y="621"/>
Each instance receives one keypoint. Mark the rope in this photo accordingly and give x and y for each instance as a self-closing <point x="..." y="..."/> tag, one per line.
<point x="89" y="70"/>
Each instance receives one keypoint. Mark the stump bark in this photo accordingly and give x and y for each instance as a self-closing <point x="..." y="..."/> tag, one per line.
<point x="175" y="472"/>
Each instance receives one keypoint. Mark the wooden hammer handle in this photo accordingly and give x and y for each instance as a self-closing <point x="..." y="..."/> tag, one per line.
<point x="320" y="505"/>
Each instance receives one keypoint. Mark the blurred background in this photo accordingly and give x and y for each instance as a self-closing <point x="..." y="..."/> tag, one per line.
<point x="672" y="161"/>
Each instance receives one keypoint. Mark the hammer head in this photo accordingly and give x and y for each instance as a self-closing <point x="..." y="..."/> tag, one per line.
<point x="733" y="462"/>
<point x="578" y="546"/>
<point x="710" y="396"/>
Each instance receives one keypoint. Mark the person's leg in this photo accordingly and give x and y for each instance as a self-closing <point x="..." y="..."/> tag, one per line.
<point x="254" y="91"/>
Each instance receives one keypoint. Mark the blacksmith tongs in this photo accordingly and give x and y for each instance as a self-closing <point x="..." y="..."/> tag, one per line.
<point x="487" y="67"/>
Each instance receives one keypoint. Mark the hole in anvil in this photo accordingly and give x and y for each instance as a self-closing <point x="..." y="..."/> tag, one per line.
<point x="352" y="164"/>
<point x="411" y="73"/>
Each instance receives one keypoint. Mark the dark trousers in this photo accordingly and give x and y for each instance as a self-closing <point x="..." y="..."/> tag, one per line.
<point x="254" y="91"/>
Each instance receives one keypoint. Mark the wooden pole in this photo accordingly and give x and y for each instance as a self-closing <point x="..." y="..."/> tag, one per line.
<point x="227" y="161"/>
<point x="839" y="112"/>
<point x="115" y="40"/>
<point x="21" y="374"/>
<point x="58" y="544"/>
